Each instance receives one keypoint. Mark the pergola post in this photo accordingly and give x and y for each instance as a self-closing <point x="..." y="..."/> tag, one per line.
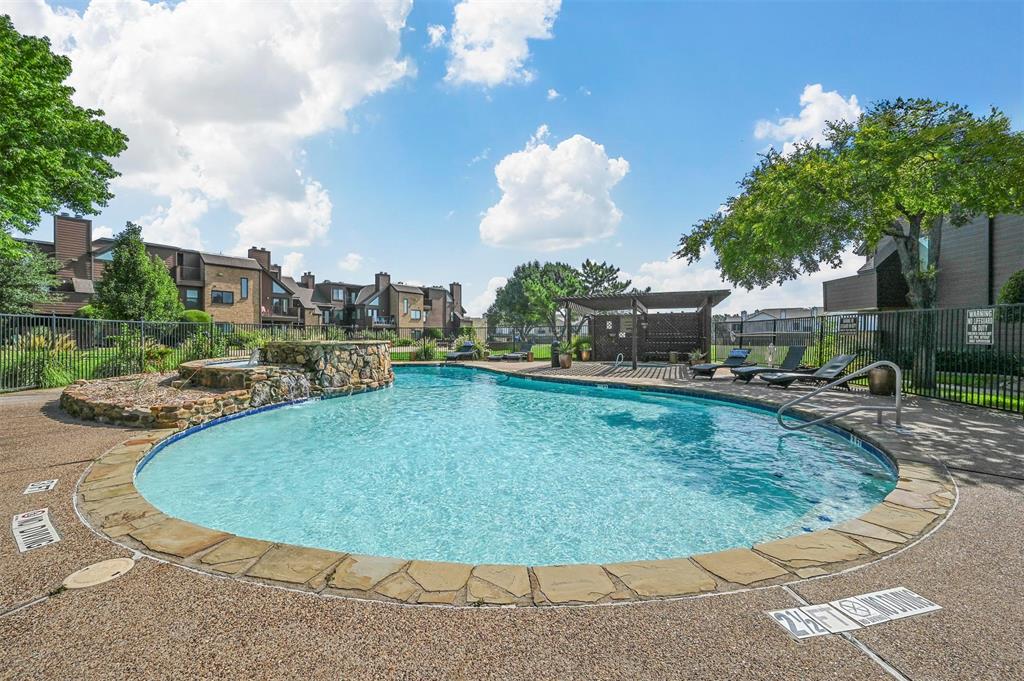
<point x="706" y="322"/>
<point x="634" y="333"/>
<point x="568" y="325"/>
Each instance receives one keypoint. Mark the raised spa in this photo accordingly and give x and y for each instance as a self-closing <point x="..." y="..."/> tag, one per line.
<point x="464" y="465"/>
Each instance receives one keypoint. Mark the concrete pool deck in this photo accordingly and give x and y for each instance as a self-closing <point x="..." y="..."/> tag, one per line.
<point x="162" y="620"/>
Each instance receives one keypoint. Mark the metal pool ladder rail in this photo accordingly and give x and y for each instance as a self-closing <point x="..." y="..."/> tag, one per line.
<point x="897" y="407"/>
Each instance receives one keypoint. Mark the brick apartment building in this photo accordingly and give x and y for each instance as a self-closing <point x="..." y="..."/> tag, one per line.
<point x="252" y="290"/>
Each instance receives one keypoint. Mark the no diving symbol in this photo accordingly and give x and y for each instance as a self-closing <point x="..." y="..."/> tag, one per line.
<point x="854" y="608"/>
<point x="860" y="612"/>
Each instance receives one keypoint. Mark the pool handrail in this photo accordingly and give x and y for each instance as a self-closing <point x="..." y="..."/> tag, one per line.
<point x="897" y="406"/>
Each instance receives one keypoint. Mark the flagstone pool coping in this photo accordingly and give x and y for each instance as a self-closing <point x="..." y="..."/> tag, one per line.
<point x="111" y="505"/>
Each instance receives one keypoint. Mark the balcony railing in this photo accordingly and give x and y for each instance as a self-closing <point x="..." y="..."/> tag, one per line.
<point x="383" y="322"/>
<point x="184" y="273"/>
<point x="280" y="310"/>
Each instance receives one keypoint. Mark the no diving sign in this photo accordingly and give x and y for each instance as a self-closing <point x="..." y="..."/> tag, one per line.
<point x="849" y="614"/>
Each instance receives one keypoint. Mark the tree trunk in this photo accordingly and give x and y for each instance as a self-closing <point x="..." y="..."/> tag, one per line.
<point x="921" y="292"/>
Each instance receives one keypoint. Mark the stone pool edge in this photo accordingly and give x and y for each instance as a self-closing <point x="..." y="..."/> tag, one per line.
<point x="111" y="505"/>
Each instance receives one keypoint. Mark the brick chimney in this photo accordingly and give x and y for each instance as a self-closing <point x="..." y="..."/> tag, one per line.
<point x="308" y="280"/>
<point x="260" y="255"/>
<point x="72" y="237"/>
<point x="381" y="279"/>
<point x="456" y="291"/>
<point x="276" y="270"/>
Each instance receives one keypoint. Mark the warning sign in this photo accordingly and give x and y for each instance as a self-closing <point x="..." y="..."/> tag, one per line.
<point x="898" y="603"/>
<point x="862" y="613"/>
<point x="33" y="530"/>
<point x="980" y="326"/>
<point x="830" y="618"/>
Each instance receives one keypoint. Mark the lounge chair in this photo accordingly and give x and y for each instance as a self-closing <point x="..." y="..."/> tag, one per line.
<point x="832" y="370"/>
<point x="736" y="358"/>
<point x="789" y="364"/>
<point x="467" y="350"/>
<point x="508" y="357"/>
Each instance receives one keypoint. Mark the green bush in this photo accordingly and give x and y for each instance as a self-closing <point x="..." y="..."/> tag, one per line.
<point x="89" y="312"/>
<point x="196" y="317"/>
<point x="436" y="334"/>
<point x="38" y="358"/>
<point x="979" y="361"/>
<point x="1012" y="293"/>
<point x="134" y="354"/>
<point x="403" y="342"/>
<point x="203" y="345"/>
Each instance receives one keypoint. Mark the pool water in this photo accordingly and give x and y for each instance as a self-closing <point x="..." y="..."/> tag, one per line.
<point x="465" y="465"/>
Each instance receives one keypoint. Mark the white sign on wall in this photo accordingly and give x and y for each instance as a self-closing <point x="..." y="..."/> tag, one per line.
<point x="980" y="326"/>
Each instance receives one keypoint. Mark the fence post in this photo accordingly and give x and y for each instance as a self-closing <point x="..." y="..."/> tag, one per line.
<point x="142" y="345"/>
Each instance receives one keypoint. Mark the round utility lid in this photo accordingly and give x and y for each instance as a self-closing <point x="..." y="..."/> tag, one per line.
<point x="98" y="573"/>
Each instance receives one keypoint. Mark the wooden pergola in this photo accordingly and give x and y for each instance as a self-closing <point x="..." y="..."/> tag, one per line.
<point x="640" y="303"/>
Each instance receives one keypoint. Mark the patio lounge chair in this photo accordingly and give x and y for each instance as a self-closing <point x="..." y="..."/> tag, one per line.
<point x="832" y="370"/>
<point x="789" y="364"/>
<point x="508" y="357"/>
<point x="466" y="351"/>
<point x="736" y="358"/>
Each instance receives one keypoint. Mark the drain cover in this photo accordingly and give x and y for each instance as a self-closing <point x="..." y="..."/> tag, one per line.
<point x="98" y="573"/>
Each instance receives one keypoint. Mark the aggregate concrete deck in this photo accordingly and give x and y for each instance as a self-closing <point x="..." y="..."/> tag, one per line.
<point x="161" y="620"/>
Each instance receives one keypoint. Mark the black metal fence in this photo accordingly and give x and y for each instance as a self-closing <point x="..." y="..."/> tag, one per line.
<point x="971" y="355"/>
<point x="38" y="351"/>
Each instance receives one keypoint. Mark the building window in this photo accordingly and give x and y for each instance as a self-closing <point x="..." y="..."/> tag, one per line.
<point x="245" y="288"/>
<point x="192" y="299"/>
<point x="338" y="294"/>
<point x="352" y="296"/>
<point x="106" y="256"/>
<point x="222" y="297"/>
<point x="277" y="288"/>
<point x="415" y="315"/>
<point x="405" y="306"/>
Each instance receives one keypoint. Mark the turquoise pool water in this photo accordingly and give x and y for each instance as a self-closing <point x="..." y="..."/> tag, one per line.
<point x="464" y="465"/>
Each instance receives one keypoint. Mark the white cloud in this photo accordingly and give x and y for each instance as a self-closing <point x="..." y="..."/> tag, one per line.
<point x="436" y="33"/>
<point x="677" y="275"/>
<point x="217" y="98"/>
<point x="553" y="94"/>
<point x="293" y="265"/>
<point x="482" y="156"/>
<point x="488" y="44"/>
<point x="817" y="108"/>
<point x="102" y="232"/>
<point x="479" y="304"/>
<point x="554" y="198"/>
<point x="584" y="91"/>
<point x="352" y="262"/>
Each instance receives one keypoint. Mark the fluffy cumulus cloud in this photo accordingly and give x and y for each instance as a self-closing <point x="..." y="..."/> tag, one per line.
<point x="817" y="108"/>
<point x="554" y="197"/>
<point x="478" y="304"/>
<point x="293" y="264"/>
<point x="678" y="275"/>
<point x="352" y="262"/>
<point x="553" y="94"/>
<point x="488" y="43"/>
<point x="217" y="99"/>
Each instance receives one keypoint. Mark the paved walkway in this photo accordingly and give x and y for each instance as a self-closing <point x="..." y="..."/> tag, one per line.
<point x="162" y="621"/>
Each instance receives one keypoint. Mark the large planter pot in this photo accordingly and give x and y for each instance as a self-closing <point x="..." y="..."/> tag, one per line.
<point x="882" y="381"/>
<point x="529" y="356"/>
<point x="564" y="360"/>
<point x="584" y="355"/>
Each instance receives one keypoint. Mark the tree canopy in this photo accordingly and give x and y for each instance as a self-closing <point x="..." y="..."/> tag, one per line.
<point x="135" y="285"/>
<point x="902" y="170"/>
<point x="26" y="278"/>
<point x="53" y="154"/>
<point x="602" y="279"/>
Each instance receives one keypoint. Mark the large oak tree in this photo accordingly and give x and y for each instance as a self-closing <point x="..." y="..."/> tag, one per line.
<point x="902" y="170"/>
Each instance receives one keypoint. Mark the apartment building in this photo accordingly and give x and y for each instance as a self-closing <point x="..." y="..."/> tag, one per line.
<point x="974" y="262"/>
<point x="253" y="289"/>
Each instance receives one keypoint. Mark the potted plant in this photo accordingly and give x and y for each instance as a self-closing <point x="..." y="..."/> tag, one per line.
<point x="882" y="381"/>
<point x="694" y="357"/>
<point x="584" y="351"/>
<point x="565" y="357"/>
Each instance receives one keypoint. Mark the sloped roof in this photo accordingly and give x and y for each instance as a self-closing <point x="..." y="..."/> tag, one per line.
<point x="405" y="288"/>
<point x="660" y="300"/>
<point x="230" y="261"/>
<point x="366" y="293"/>
<point x="305" y="295"/>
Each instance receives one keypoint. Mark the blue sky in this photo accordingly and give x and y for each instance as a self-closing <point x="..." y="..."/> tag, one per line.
<point x="402" y="178"/>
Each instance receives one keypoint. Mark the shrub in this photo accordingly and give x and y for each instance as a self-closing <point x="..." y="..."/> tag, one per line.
<point x="133" y="353"/>
<point x="436" y="334"/>
<point x="1012" y="293"/>
<point x="38" y="359"/>
<point x="427" y="352"/>
<point x="403" y="342"/>
<point x="89" y="312"/>
<point x="196" y="317"/>
<point x="979" y="361"/>
<point x="203" y="345"/>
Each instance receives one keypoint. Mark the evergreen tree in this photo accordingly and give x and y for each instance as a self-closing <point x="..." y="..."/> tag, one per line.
<point x="135" y="285"/>
<point x="26" y="277"/>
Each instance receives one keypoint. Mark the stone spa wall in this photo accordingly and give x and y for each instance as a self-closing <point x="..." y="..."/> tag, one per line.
<point x="208" y="389"/>
<point x="337" y="366"/>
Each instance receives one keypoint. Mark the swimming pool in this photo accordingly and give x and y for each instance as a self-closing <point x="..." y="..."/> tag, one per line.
<point x="465" y="465"/>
